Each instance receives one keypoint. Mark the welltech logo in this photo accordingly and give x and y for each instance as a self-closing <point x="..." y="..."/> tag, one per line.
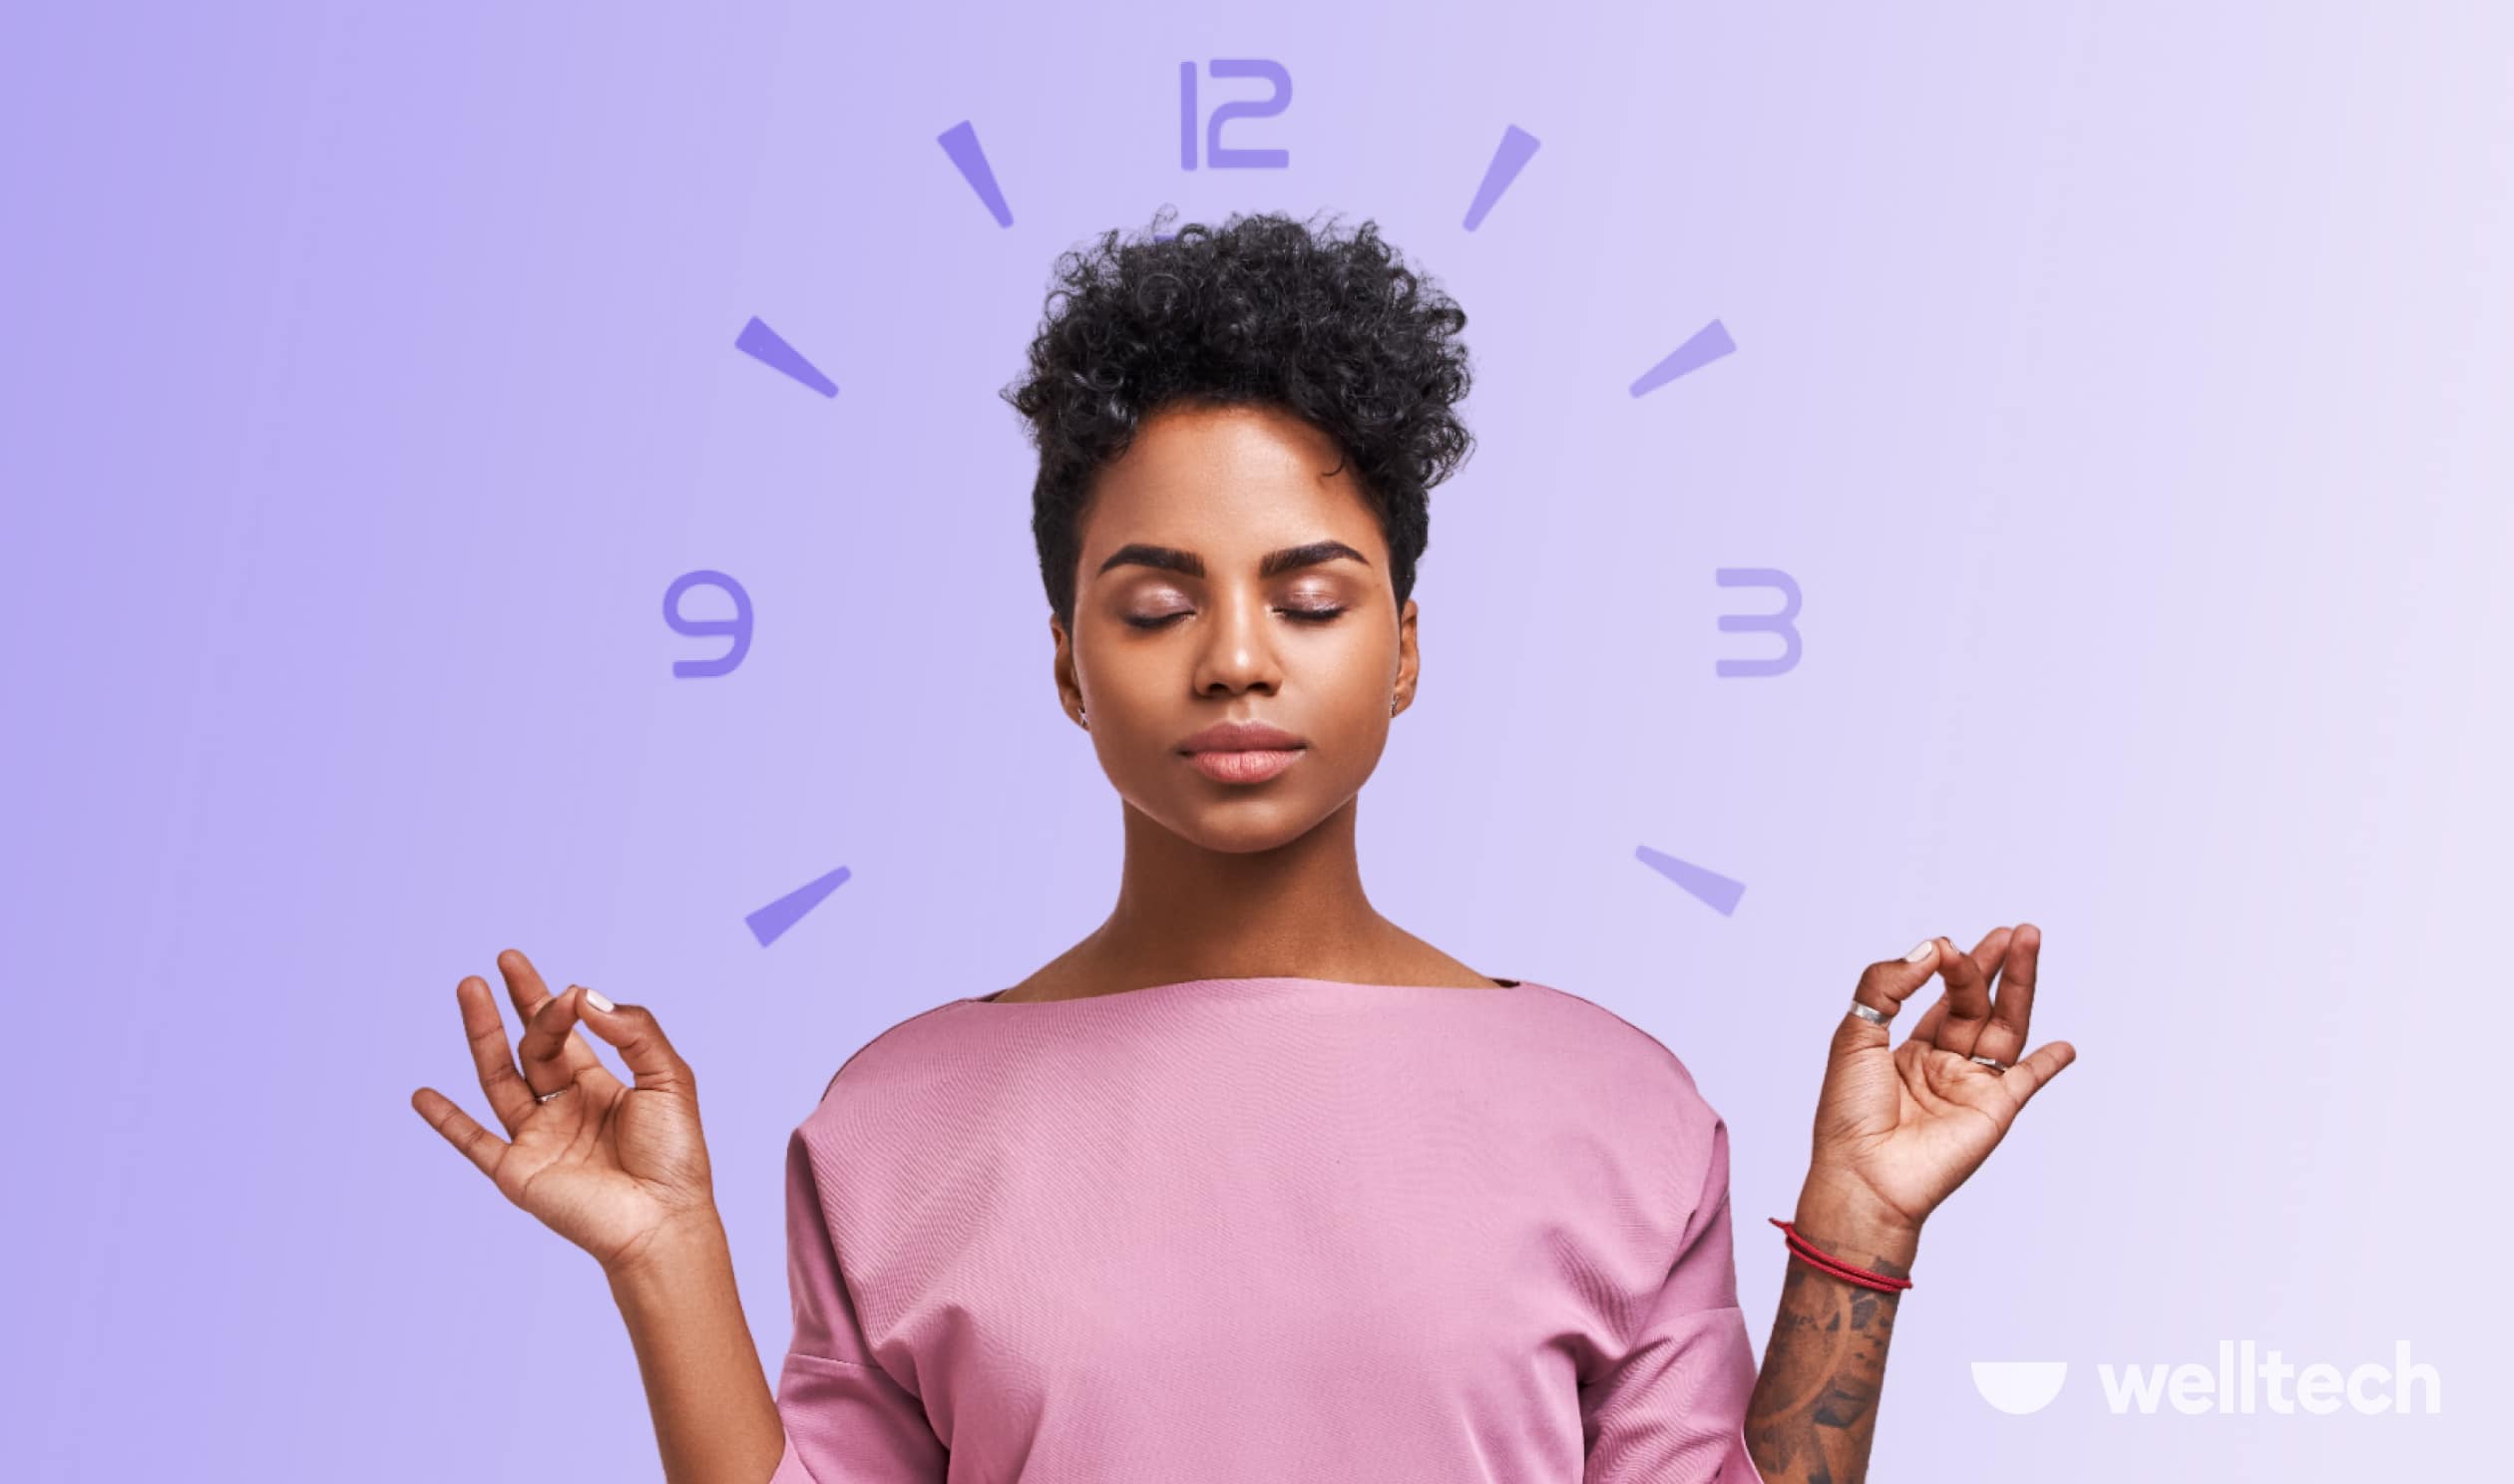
<point x="2243" y="1381"/>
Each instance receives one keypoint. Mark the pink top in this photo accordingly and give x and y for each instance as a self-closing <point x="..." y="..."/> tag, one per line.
<point x="1264" y="1228"/>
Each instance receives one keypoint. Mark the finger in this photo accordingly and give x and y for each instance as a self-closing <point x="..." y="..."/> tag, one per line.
<point x="524" y="987"/>
<point x="509" y="1097"/>
<point x="544" y="1049"/>
<point x="642" y="1044"/>
<point x="2028" y="1077"/>
<point x="1927" y="1030"/>
<point x="1985" y="954"/>
<point x="480" y="1146"/>
<point x="2013" y="1016"/>
<point x="1967" y="1005"/>
<point x="1885" y="985"/>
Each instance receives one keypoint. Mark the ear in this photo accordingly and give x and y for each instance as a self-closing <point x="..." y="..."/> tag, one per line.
<point x="1069" y="683"/>
<point x="1409" y="658"/>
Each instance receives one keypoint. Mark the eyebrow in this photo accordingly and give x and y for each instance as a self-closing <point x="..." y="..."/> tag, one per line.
<point x="1171" y="559"/>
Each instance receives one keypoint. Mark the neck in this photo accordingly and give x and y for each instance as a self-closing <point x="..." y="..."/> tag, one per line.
<point x="1188" y="912"/>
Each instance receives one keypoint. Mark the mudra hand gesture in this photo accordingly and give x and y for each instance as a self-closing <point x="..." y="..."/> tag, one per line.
<point x="612" y="1168"/>
<point x="1898" y="1128"/>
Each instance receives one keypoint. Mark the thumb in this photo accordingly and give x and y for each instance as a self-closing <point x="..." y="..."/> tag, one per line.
<point x="1885" y="985"/>
<point x="632" y="1031"/>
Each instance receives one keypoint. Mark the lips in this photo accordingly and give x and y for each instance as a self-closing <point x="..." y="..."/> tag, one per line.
<point x="1253" y="766"/>
<point x="1241" y="736"/>
<point x="1242" y="751"/>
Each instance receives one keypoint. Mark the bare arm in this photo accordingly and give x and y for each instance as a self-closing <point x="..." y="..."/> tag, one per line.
<point x="1814" y="1411"/>
<point x="621" y="1169"/>
<point x="715" y="1419"/>
<point x="1898" y="1129"/>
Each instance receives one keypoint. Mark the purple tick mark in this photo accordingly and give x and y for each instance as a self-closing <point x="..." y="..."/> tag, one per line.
<point x="1706" y="345"/>
<point x="769" y="348"/>
<point x="1517" y="144"/>
<point x="961" y="143"/>
<point x="1709" y="887"/>
<point x="771" y="921"/>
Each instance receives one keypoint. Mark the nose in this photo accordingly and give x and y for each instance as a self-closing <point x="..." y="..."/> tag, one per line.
<point x="1238" y="652"/>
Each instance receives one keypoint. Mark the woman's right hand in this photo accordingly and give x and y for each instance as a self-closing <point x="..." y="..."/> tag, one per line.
<point x="614" y="1169"/>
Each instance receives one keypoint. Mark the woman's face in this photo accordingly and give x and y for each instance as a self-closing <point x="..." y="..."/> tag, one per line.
<point x="1226" y="576"/>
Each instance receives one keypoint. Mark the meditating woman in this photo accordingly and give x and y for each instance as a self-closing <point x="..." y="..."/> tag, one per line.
<point x="1250" y="1183"/>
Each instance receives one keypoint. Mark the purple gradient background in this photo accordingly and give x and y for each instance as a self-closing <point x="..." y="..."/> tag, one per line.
<point x="2125" y="385"/>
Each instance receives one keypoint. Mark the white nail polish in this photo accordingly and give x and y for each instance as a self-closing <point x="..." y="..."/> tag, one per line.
<point x="595" y="998"/>
<point x="1920" y="951"/>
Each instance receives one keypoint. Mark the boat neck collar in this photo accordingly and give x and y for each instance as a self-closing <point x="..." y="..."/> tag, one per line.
<point x="1175" y="987"/>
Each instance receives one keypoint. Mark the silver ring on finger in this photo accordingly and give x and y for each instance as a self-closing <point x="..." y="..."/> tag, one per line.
<point x="1870" y="1013"/>
<point x="1991" y="1062"/>
<point x="542" y="1097"/>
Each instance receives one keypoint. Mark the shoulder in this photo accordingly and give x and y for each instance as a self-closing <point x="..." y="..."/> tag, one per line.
<point x="1621" y="1055"/>
<point x="895" y="1057"/>
<point x="1678" y="1139"/>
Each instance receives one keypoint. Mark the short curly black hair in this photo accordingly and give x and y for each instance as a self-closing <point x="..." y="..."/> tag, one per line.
<point x="1331" y="327"/>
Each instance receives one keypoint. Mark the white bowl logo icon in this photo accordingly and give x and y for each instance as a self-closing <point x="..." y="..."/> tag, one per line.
<point x="2019" y="1387"/>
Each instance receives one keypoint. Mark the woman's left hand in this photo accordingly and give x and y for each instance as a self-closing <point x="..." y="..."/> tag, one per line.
<point x="1898" y="1128"/>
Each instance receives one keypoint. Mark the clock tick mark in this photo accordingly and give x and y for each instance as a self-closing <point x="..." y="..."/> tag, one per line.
<point x="1508" y="161"/>
<point x="1706" y="345"/>
<point x="1705" y="886"/>
<point x="770" y="349"/>
<point x="961" y="143"/>
<point x="771" y="921"/>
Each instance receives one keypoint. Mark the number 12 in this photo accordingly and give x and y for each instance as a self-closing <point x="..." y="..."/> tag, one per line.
<point x="1216" y="155"/>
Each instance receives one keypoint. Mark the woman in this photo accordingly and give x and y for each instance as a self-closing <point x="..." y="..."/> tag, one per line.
<point x="1251" y="1183"/>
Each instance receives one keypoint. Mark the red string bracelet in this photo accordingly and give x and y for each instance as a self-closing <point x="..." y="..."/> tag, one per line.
<point x="1826" y="1262"/>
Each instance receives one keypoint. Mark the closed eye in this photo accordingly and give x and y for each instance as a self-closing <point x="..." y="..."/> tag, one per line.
<point x="1298" y="615"/>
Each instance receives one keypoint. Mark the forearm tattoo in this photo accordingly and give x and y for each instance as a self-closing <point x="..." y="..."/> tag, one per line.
<point x="1814" y="1405"/>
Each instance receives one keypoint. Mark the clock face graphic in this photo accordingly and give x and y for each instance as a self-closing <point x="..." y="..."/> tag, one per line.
<point x="1222" y="106"/>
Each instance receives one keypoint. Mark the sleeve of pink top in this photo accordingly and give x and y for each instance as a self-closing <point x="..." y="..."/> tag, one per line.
<point x="846" y="1421"/>
<point x="1672" y="1408"/>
